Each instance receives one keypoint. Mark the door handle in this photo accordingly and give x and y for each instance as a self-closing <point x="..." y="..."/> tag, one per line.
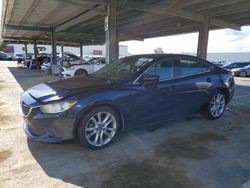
<point x="209" y="80"/>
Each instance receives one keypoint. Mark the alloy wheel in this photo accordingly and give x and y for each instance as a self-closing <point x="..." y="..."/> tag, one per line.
<point x="80" y="73"/>
<point x="242" y="74"/>
<point x="101" y="129"/>
<point x="217" y="105"/>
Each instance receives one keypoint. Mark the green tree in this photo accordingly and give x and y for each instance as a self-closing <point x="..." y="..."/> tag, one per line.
<point x="158" y="51"/>
<point x="2" y="46"/>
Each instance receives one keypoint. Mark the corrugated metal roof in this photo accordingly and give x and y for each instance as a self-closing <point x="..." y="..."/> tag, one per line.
<point x="82" y="21"/>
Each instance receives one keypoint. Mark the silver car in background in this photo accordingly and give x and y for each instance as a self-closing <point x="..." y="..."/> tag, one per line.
<point x="242" y="72"/>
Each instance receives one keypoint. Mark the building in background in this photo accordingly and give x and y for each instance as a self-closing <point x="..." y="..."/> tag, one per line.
<point x="10" y="50"/>
<point x="100" y="50"/>
<point x="93" y="50"/>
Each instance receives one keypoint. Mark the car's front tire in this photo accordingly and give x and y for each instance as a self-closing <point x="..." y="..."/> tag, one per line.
<point x="242" y="74"/>
<point x="216" y="105"/>
<point x="81" y="72"/>
<point x="98" y="128"/>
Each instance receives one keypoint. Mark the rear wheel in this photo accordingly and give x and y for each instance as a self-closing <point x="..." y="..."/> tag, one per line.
<point x="98" y="128"/>
<point x="216" y="105"/>
<point x="81" y="72"/>
<point x="242" y="74"/>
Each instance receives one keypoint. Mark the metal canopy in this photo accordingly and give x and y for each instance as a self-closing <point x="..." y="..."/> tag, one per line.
<point x="82" y="21"/>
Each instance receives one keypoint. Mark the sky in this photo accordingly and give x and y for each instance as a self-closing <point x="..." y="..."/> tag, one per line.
<point x="224" y="40"/>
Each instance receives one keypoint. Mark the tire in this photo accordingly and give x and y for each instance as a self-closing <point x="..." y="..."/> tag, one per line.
<point x="94" y="131"/>
<point x="216" y="106"/>
<point x="81" y="72"/>
<point x="242" y="74"/>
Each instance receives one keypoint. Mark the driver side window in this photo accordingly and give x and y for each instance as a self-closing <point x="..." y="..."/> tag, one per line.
<point x="163" y="69"/>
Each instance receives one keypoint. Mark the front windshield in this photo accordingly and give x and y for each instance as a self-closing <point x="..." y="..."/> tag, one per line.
<point x="123" y="69"/>
<point x="94" y="60"/>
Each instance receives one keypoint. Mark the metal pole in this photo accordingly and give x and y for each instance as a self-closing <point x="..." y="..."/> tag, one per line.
<point x="53" y="42"/>
<point x="35" y="50"/>
<point x="81" y="51"/>
<point x="111" y="32"/>
<point x="35" y="53"/>
<point x="203" y="39"/>
<point x="117" y="49"/>
<point x="61" y="50"/>
<point x="25" y="50"/>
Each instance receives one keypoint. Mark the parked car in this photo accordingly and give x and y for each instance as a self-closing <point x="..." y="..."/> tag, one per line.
<point x="236" y="65"/>
<point x="134" y="91"/>
<point x="80" y="70"/>
<point x="46" y="65"/>
<point x="69" y="59"/>
<point x="242" y="72"/>
<point x="19" y="57"/>
<point x="73" y="65"/>
<point x="219" y="63"/>
<point x="5" y="56"/>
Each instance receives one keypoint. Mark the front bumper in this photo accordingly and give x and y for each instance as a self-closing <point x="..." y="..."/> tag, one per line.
<point x="46" y="127"/>
<point x="41" y="138"/>
<point x="65" y="73"/>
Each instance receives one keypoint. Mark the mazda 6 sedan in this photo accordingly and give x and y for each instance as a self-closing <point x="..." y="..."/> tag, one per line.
<point x="131" y="92"/>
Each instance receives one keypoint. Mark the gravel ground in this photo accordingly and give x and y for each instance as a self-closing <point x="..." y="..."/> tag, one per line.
<point x="192" y="152"/>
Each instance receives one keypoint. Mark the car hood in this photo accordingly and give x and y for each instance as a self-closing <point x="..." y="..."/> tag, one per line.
<point x="59" y="89"/>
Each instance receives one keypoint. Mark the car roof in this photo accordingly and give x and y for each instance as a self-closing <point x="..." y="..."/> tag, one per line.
<point x="160" y="56"/>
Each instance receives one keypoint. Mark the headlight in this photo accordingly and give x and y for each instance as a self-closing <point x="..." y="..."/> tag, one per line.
<point x="57" y="107"/>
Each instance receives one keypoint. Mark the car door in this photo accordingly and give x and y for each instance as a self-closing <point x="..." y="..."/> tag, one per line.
<point x="154" y="102"/>
<point x="193" y="84"/>
<point x="247" y="69"/>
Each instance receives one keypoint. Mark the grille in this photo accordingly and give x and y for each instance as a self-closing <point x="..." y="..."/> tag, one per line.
<point x="25" y="109"/>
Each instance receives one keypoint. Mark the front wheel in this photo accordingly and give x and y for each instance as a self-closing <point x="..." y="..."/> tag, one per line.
<point x="216" y="106"/>
<point x="242" y="74"/>
<point x="98" y="128"/>
<point x="81" y="72"/>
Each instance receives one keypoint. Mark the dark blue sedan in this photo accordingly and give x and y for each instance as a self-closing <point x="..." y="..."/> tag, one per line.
<point x="134" y="91"/>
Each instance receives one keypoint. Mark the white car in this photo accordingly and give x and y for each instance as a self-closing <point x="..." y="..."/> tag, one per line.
<point x="73" y="65"/>
<point x="68" y="59"/>
<point x="45" y="65"/>
<point x="77" y="70"/>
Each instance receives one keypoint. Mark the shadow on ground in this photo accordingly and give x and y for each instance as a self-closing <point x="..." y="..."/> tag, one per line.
<point x="111" y="167"/>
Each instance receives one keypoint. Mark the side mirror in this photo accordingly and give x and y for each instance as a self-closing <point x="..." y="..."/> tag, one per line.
<point x="150" y="79"/>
